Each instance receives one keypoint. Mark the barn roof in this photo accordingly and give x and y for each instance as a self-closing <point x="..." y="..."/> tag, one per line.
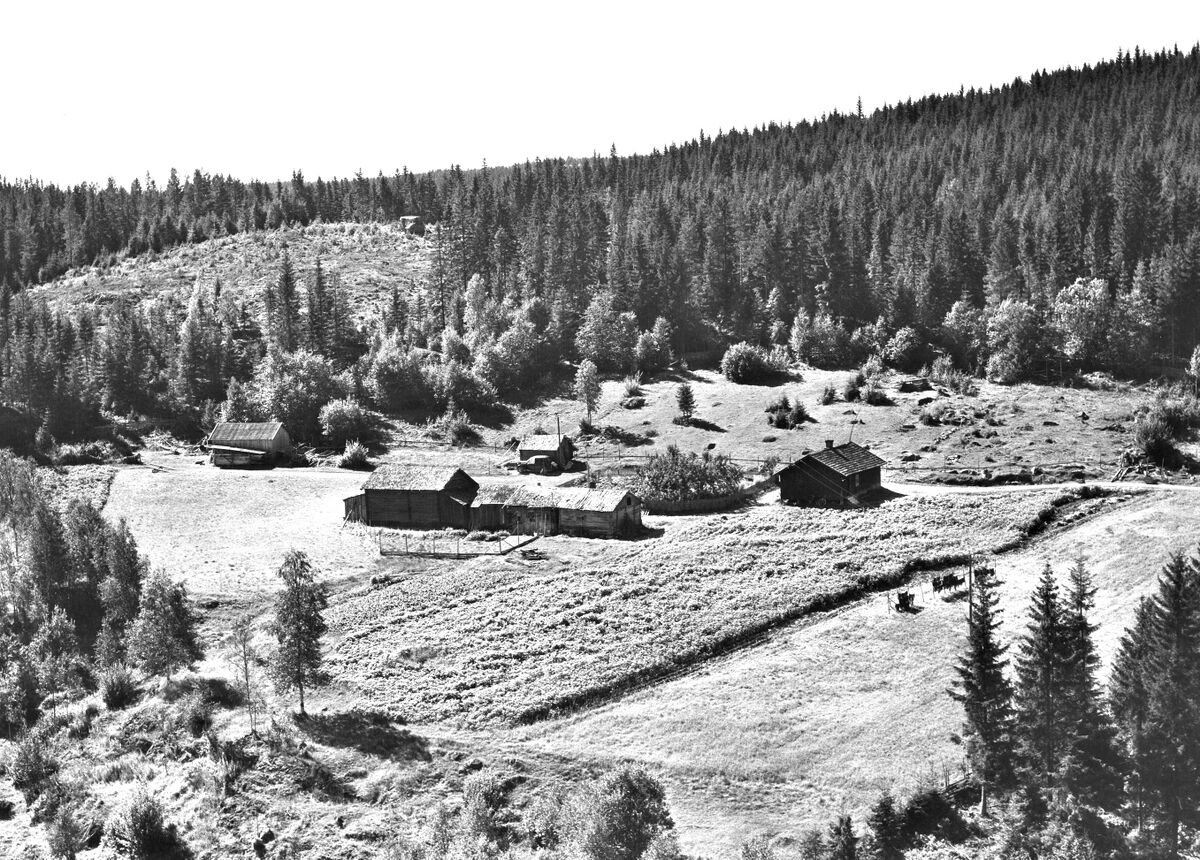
<point x="232" y="432"/>
<point x="568" y="498"/>
<point x="542" y="442"/>
<point x="494" y="494"/>
<point x="402" y="476"/>
<point x="848" y="459"/>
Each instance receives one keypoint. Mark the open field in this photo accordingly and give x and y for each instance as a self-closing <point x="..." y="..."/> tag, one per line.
<point x="1001" y="427"/>
<point x="368" y="259"/>
<point x="496" y="641"/>
<point x="831" y="709"/>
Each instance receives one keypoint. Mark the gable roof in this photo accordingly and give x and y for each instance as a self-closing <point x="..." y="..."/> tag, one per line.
<point x="232" y="432"/>
<point x="569" y="498"/>
<point x="493" y="494"/>
<point x="848" y="459"/>
<point x="402" y="476"/>
<point x="542" y="442"/>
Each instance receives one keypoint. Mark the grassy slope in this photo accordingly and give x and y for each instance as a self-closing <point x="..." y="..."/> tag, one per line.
<point x="831" y="710"/>
<point x="490" y="641"/>
<point x="368" y="258"/>
<point x="1022" y="436"/>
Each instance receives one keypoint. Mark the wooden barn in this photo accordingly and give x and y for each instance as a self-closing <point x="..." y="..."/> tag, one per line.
<point x="578" y="511"/>
<point x="835" y="475"/>
<point x="487" y="510"/>
<point x="404" y="496"/>
<point x="247" y="444"/>
<point x="557" y="450"/>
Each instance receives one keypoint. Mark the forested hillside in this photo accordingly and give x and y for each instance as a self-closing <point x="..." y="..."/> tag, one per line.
<point x="1054" y="219"/>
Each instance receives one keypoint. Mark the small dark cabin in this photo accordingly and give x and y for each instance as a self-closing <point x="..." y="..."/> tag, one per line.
<point x="403" y="496"/>
<point x="835" y="475"/>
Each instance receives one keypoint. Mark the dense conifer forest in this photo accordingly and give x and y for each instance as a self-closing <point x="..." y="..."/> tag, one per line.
<point x="1052" y="222"/>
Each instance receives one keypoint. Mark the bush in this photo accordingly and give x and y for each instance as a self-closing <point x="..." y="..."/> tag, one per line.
<point x="139" y="831"/>
<point x="828" y="395"/>
<point x="33" y="764"/>
<point x="851" y="390"/>
<point x="355" y="457"/>
<point x="345" y="421"/>
<point x="870" y="369"/>
<point x="822" y="342"/>
<point x="931" y="415"/>
<point x="945" y="373"/>
<point x="1153" y="437"/>
<point x="194" y="712"/>
<point x="632" y="386"/>
<point x="478" y="534"/>
<point x="743" y="363"/>
<point x="874" y="395"/>
<point x="673" y="476"/>
<point x="455" y="427"/>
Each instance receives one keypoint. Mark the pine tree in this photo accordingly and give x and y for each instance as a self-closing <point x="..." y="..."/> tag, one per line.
<point x="985" y="693"/>
<point x="120" y="593"/>
<point x="887" y="828"/>
<point x="1092" y="769"/>
<point x="685" y="398"/>
<point x="843" y="844"/>
<point x="164" y="638"/>
<point x="1041" y="673"/>
<point x="298" y="627"/>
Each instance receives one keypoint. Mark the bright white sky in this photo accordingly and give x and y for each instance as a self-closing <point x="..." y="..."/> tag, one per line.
<point x="256" y="89"/>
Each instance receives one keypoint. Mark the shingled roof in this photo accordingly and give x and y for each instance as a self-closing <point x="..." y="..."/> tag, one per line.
<point x="568" y="498"/>
<point x="848" y="459"/>
<point x="230" y="433"/>
<point x="401" y="476"/>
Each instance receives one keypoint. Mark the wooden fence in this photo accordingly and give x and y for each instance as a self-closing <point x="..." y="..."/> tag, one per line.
<point x="434" y="545"/>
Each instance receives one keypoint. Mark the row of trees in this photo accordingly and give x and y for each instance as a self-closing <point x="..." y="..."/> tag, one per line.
<point x="1046" y="735"/>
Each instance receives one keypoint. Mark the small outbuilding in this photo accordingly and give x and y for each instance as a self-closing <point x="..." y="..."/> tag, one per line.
<point x="413" y="224"/>
<point x="579" y="511"/>
<point x="233" y="443"/>
<point x="487" y="510"/>
<point x="546" y="450"/>
<point x="404" y="496"/>
<point x="835" y="475"/>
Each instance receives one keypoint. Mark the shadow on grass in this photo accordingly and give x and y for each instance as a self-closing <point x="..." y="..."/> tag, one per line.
<point x="367" y="732"/>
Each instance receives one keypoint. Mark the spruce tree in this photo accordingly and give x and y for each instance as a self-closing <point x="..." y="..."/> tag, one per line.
<point x="1092" y="770"/>
<point x="843" y="844"/>
<point x="1128" y="698"/>
<point x="298" y="627"/>
<point x="1041" y="665"/>
<point x="985" y="693"/>
<point x="685" y="398"/>
<point x="887" y="828"/>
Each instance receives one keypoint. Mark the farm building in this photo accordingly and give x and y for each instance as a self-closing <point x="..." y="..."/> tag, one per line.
<point x="487" y="510"/>
<point x="577" y="511"/>
<point x="413" y="224"/>
<point x="836" y="474"/>
<point x="546" y="449"/>
<point x="406" y="496"/>
<point x="241" y="444"/>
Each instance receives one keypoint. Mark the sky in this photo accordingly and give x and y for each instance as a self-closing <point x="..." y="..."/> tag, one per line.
<point x="257" y="89"/>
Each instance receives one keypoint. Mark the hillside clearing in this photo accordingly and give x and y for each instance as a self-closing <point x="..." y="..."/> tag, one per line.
<point x="497" y="641"/>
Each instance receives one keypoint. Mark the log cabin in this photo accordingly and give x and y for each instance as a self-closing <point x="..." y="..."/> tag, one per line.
<point x="834" y="475"/>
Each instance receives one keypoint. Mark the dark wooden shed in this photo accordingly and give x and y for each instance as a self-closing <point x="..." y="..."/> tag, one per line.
<point x="234" y="443"/>
<point x="487" y="510"/>
<point x="835" y="475"/>
<point x="404" y="496"/>
<point x="559" y="449"/>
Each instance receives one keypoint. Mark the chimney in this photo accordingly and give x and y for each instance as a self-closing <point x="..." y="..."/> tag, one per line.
<point x="828" y="443"/>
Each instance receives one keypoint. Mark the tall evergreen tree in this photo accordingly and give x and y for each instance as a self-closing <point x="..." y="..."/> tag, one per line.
<point x="1041" y="671"/>
<point x="985" y="693"/>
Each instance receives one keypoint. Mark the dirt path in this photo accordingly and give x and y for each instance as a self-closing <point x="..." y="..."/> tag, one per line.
<point x="828" y="711"/>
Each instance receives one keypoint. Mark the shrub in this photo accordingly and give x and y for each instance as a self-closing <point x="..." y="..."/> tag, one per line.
<point x="344" y="421"/>
<point x="673" y="476"/>
<point x="874" y="395"/>
<point x="822" y="342"/>
<point x="851" y="390"/>
<point x="33" y="764"/>
<point x="355" y="457"/>
<point x="1152" y="436"/>
<point x="618" y="817"/>
<point x="478" y="534"/>
<point x="945" y="373"/>
<point x="455" y="427"/>
<point x="632" y="386"/>
<point x="931" y="415"/>
<point x="870" y="369"/>
<point x="139" y="831"/>
<point x="828" y="395"/>
<point x="194" y="712"/>
<point x="798" y="414"/>
<point x="748" y="364"/>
